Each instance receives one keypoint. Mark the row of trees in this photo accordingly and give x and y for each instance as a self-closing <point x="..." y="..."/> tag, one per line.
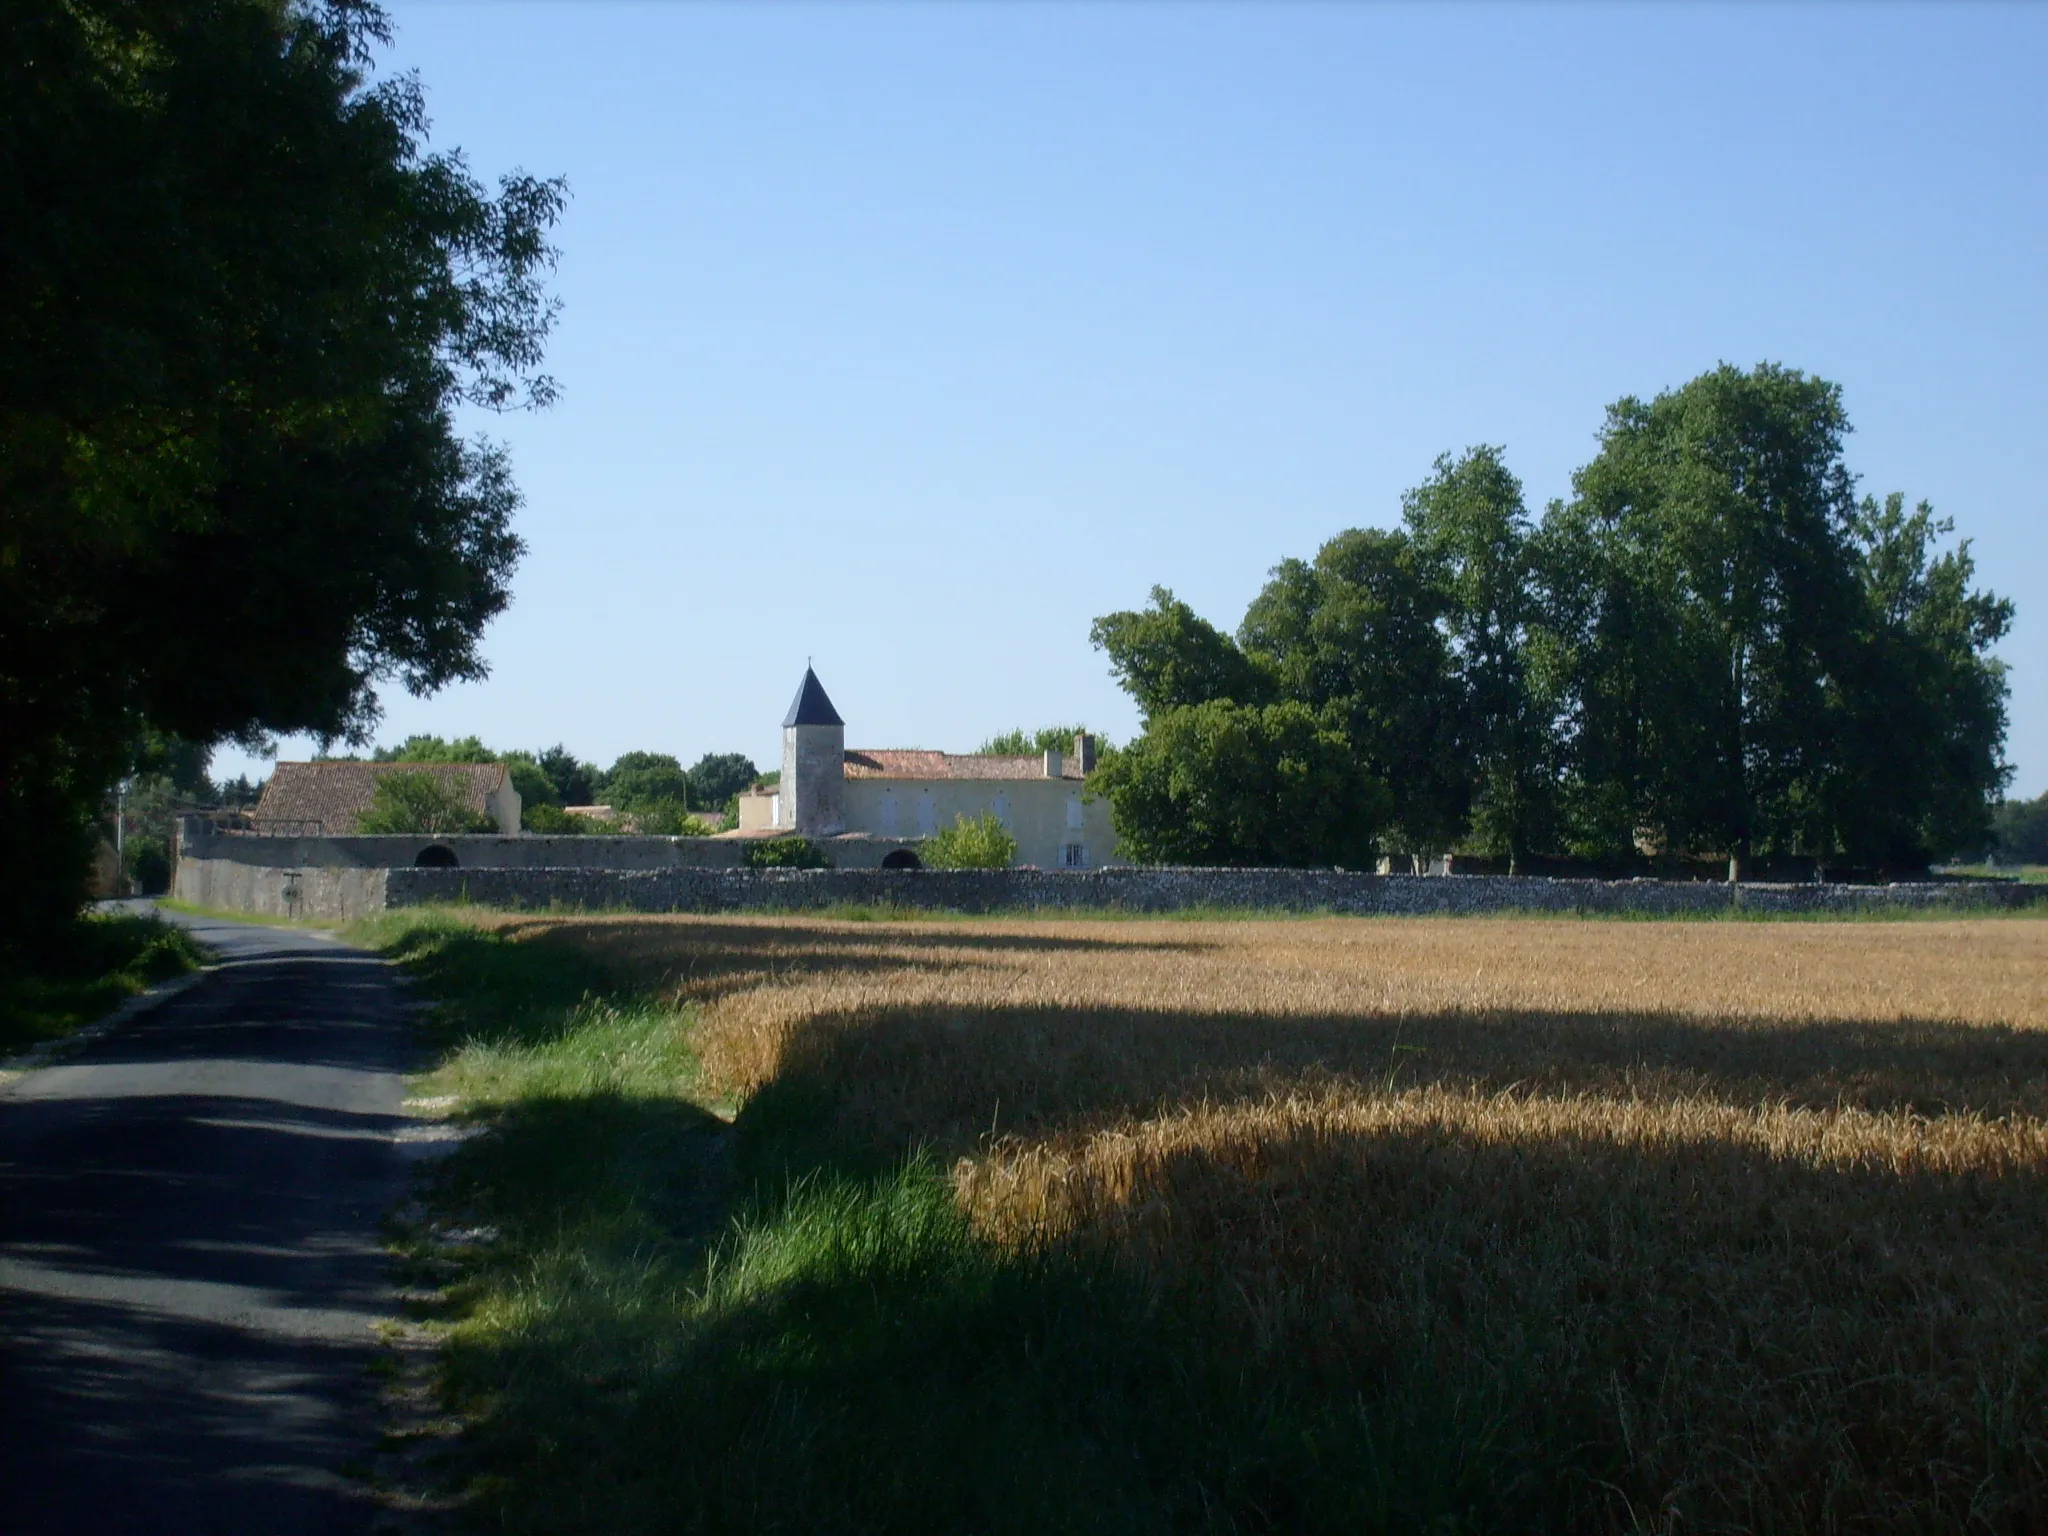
<point x="1713" y="647"/>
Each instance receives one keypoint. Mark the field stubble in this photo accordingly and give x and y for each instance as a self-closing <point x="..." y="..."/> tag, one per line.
<point x="1730" y="1226"/>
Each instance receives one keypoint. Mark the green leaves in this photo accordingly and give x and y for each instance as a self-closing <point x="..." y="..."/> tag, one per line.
<point x="1710" y="649"/>
<point x="1167" y="656"/>
<point x="1220" y="783"/>
<point x="421" y="802"/>
<point x="240" y="300"/>
<point x="979" y="842"/>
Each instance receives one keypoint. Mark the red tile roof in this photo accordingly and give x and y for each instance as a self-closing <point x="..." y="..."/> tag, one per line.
<point x="891" y="764"/>
<point x="325" y="799"/>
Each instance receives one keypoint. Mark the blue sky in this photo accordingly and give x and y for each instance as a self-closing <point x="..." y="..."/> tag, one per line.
<point x="913" y="337"/>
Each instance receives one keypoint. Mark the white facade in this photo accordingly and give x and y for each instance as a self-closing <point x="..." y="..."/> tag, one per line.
<point x="826" y="790"/>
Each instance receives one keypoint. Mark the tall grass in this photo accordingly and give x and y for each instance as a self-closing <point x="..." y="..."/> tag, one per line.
<point x="1319" y="1225"/>
<point x="103" y="959"/>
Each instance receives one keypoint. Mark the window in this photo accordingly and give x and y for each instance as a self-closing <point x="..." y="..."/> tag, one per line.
<point x="1073" y="856"/>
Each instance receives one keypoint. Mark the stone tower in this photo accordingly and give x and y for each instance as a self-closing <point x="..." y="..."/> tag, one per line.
<point x="813" y="788"/>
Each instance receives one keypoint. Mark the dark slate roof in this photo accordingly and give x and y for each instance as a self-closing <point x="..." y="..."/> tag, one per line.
<point x="810" y="706"/>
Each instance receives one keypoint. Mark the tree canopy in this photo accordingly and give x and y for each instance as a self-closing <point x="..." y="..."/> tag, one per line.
<point x="1023" y="743"/>
<point x="716" y="777"/>
<point x="1713" y="647"/>
<point x="240" y="304"/>
<point x="1221" y="783"/>
<point x="646" y="781"/>
<point x="432" y="749"/>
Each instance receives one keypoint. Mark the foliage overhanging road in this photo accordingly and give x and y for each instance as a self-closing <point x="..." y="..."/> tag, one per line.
<point x="190" y="1260"/>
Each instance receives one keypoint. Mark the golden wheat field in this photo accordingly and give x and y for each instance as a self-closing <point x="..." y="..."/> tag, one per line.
<point x="1759" y="1211"/>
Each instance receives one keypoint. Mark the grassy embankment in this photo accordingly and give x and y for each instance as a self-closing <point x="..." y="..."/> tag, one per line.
<point x="1325" y="1225"/>
<point x="100" y="961"/>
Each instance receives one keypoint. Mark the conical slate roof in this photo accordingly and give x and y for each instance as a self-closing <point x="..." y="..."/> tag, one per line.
<point x="810" y="706"/>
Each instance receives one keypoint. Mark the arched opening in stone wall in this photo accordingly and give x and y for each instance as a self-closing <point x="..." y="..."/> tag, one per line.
<point x="437" y="856"/>
<point x="902" y="858"/>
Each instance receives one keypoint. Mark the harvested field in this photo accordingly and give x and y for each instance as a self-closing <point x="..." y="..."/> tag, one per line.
<point x="1707" y="1226"/>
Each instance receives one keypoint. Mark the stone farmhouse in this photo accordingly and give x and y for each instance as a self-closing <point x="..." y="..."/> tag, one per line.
<point x="329" y="799"/>
<point x="827" y="791"/>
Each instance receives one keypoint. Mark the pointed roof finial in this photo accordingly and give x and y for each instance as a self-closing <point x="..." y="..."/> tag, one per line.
<point x="811" y="706"/>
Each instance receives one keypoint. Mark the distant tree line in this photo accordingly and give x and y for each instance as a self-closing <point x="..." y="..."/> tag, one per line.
<point x="2020" y="831"/>
<point x="1023" y="743"/>
<point x="1712" y="648"/>
<point x="651" y="791"/>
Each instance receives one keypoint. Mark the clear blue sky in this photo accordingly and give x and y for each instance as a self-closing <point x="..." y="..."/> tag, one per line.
<point x="913" y="337"/>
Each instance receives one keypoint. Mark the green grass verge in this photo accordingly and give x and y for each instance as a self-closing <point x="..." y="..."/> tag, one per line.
<point x="2025" y="874"/>
<point x="254" y="919"/>
<point x="99" y="962"/>
<point x="669" y="1323"/>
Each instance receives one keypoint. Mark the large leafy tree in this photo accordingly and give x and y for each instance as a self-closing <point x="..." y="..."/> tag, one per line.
<point x="240" y="303"/>
<point x="716" y="777"/>
<point x="1920" y="701"/>
<point x="1473" y="538"/>
<point x="1168" y="656"/>
<point x="646" y="781"/>
<point x="1706" y="580"/>
<point x="1757" y="661"/>
<point x="1223" y="783"/>
<point x="1358" y="636"/>
<point x="568" y="778"/>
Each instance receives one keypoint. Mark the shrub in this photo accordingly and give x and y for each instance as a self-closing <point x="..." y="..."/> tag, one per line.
<point x="421" y="802"/>
<point x="785" y="853"/>
<point x="983" y="843"/>
<point x="552" y="820"/>
<point x="667" y="818"/>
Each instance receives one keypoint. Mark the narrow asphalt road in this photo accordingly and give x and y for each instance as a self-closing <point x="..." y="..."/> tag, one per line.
<point x="190" y="1252"/>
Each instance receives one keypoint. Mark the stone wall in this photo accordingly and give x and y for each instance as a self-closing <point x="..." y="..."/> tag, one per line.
<point x="471" y="850"/>
<point x="327" y="893"/>
<point x="1158" y="890"/>
<point x="489" y="851"/>
<point x="346" y="877"/>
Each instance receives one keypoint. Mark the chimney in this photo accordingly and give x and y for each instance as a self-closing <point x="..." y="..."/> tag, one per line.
<point x="1084" y="753"/>
<point x="1055" y="765"/>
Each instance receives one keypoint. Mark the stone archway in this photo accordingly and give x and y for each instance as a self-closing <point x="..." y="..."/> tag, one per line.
<point x="902" y="858"/>
<point x="437" y="856"/>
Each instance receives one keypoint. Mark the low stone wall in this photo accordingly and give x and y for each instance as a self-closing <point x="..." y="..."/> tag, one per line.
<point x="269" y="891"/>
<point x="1157" y="890"/>
<point x="471" y="850"/>
<point x="528" y="851"/>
